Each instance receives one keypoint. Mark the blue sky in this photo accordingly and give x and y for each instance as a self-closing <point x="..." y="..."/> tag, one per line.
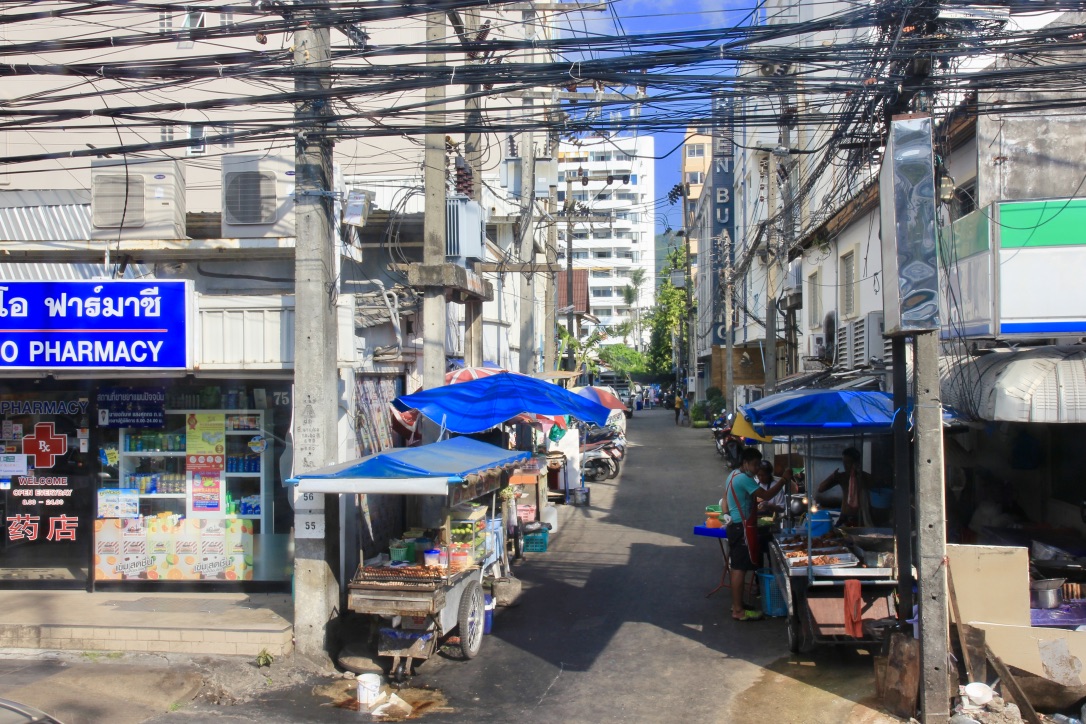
<point x="653" y="16"/>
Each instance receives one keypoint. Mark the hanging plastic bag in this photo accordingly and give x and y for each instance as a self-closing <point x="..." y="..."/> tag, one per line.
<point x="556" y="433"/>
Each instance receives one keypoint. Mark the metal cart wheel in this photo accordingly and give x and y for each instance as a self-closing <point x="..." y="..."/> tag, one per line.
<point x="470" y="619"/>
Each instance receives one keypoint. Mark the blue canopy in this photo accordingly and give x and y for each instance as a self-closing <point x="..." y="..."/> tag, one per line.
<point x="489" y="401"/>
<point x="827" y="411"/>
<point x="821" y="411"/>
<point x="426" y="470"/>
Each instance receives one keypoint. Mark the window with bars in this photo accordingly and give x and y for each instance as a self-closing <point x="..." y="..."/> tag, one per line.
<point x="848" y="284"/>
<point x="814" y="301"/>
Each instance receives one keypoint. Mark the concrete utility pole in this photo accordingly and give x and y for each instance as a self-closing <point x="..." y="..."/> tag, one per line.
<point x="772" y="251"/>
<point x="550" y="293"/>
<point x="316" y="384"/>
<point x="433" y="245"/>
<point x="903" y="482"/>
<point x="931" y="527"/>
<point x="691" y="327"/>
<point x="571" y="363"/>
<point x="729" y="339"/>
<point x="473" y="154"/>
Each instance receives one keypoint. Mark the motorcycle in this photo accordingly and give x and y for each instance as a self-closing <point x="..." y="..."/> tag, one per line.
<point x="601" y="460"/>
<point x="728" y="446"/>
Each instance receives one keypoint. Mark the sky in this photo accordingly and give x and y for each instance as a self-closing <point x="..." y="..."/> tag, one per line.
<point x="653" y="16"/>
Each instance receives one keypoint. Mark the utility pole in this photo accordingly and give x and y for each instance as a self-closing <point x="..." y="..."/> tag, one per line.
<point x="473" y="308"/>
<point x="550" y="292"/>
<point x="570" y="362"/>
<point x="772" y="250"/>
<point x="433" y="246"/>
<point x="316" y="388"/>
<point x="729" y="338"/>
<point x="931" y="527"/>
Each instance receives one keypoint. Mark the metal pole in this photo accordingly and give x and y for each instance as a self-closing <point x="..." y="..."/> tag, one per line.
<point x="316" y="388"/>
<point x="691" y="334"/>
<point x="433" y="251"/>
<point x="931" y="531"/>
<point x="903" y="483"/>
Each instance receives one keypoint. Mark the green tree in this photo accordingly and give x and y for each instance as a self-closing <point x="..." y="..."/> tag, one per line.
<point x="585" y="351"/>
<point x="623" y="329"/>
<point x="637" y="280"/>
<point x="665" y="317"/>
<point x="622" y="359"/>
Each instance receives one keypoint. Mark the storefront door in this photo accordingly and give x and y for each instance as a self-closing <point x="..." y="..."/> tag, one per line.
<point x="46" y="486"/>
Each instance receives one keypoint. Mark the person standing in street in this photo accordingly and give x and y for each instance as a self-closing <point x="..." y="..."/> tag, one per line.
<point x="678" y="406"/>
<point x="741" y="495"/>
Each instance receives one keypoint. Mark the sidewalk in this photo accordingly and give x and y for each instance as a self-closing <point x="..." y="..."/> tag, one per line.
<point x="189" y="623"/>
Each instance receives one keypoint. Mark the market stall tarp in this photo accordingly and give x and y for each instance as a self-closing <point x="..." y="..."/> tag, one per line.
<point x="484" y="403"/>
<point x="426" y="470"/>
<point x="820" y="411"/>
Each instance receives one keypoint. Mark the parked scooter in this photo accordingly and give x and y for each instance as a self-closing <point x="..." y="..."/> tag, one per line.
<point x="728" y="446"/>
<point x="601" y="460"/>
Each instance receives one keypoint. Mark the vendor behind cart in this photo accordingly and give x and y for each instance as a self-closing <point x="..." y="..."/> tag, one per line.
<point x="741" y="494"/>
<point x="779" y="502"/>
<point x="854" y="483"/>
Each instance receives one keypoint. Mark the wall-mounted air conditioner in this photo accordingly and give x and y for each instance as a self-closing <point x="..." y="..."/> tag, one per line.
<point x="465" y="226"/>
<point x="816" y="346"/>
<point x="257" y="196"/>
<point x="843" y="356"/>
<point x="137" y="200"/>
<point x="867" y="344"/>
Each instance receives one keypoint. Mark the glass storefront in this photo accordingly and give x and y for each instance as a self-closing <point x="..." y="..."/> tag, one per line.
<point x="107" y="482"/>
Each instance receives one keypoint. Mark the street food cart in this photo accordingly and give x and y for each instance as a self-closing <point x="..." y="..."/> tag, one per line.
<point x="421" y="603"/>
<point x="812" y="563"/>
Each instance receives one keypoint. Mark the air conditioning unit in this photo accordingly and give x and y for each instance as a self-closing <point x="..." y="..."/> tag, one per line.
<point x="257" y="197"/>
<point x="137" y="200"/>
<point x="843" y="356"/>
<point x="465" y="228"/>
<point x="867" y="341"/>
<point x="792" y="298"/>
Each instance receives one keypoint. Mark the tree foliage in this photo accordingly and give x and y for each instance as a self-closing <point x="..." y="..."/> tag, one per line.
<point x="665" y="316"/>
<point x="622" y="359"/>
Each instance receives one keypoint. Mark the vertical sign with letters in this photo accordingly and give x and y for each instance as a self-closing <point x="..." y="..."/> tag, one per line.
<point x="723" y="206"/>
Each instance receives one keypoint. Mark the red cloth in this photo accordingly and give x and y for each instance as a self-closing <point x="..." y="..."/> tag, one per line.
<point x="854" y="622"/>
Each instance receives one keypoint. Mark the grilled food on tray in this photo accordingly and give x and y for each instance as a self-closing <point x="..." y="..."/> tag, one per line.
<point x="816" y="561"/>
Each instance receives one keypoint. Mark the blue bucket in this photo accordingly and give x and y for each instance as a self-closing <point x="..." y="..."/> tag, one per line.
<point x="881" y="498"/>
<point x="820" y="523"/>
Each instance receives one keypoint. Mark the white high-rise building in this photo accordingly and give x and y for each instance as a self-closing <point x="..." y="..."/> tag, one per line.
<point x="618" y="240"/>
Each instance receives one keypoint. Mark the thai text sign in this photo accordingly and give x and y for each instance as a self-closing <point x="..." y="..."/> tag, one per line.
<point x="101" y="324"/>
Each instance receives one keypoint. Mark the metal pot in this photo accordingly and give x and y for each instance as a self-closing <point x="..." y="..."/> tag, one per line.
<point x="1046" y="594"/>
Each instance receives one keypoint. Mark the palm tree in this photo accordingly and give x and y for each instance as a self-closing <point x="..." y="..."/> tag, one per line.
<point x="637" y="279"/>
<point x="624" y="330"/>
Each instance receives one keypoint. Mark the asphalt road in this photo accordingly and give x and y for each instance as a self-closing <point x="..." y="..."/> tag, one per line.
<point x="613" y="624"/>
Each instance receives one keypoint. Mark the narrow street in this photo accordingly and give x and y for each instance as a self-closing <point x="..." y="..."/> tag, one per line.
<point x="614" y="624"/>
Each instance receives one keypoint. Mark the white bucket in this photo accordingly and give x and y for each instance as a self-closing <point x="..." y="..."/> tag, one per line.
<point x="549" y="514"/>
<point x="369" y="687"/>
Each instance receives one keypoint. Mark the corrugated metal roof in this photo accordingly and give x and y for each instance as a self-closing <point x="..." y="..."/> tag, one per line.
<point x="57" y="215"/>
<point x="1040" y="384"/>
<point x="33" y="272"/>
<point x="580" y="290"/>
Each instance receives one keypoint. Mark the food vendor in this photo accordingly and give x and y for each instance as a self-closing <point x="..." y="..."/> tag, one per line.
<point x="779" y="502"/>
<point x="854" y="483"/>
<point x="741" y="495"/>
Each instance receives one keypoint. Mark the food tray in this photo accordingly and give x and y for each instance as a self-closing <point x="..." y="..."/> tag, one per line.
<point x="399" y="576"/>
<point x="845" y="560"/>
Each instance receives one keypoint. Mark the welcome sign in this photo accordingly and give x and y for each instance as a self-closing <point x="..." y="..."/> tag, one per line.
<point x="92" y="325"/>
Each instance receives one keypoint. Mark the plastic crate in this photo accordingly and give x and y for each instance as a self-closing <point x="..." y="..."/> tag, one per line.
<point x="406" y="554"/>
<point x="535" y="542"/>
<point x="773" y="603"/>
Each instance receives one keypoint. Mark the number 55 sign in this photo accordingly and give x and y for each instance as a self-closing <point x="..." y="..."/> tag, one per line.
<point x="309" y="525"/>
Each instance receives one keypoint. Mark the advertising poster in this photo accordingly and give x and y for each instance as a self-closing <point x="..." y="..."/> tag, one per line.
<point x="206" y="493"/>
<point x="205" y="442"/>
<point x="131" y="407"/>
<point x="186" y="550"/>
<point x="118" y="503"/>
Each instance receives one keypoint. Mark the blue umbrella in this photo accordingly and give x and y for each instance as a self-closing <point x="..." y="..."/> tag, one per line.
<point x="804" y="411"/>
<point x="489" y="401"/>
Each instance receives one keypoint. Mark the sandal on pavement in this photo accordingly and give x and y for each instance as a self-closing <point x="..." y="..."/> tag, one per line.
<point x="748" y="616"/>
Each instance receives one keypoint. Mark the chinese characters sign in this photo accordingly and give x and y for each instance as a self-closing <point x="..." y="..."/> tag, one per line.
<point x="103" y="324"/>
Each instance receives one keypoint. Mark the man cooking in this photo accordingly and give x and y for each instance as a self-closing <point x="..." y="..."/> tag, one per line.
<point x="741" y="494"/>
<point x="854" y="483"/>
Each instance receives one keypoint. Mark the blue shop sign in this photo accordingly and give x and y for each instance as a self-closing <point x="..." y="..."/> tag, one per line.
<point x="93" y="325"/>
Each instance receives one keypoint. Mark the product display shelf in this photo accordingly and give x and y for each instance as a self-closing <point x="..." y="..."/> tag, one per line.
<point x="147" y="455"/>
